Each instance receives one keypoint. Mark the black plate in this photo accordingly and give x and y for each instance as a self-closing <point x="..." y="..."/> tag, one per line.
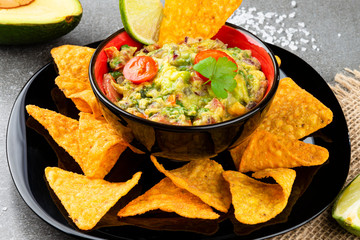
<point x="315" y="188"/>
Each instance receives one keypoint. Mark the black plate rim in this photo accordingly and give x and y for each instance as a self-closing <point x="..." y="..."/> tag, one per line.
<point x="31" y="202"/>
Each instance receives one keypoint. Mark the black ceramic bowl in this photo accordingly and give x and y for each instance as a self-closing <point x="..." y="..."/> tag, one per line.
<point x="188" y="142"/>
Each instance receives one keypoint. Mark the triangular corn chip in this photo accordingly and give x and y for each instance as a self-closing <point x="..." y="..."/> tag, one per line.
<point x="73" y="61"/>
<point x="202" y="178"/>
<point x="167" y="197"/>
<point x="295" y="113"/>
<point x="69" y="85"/>
<point x="256" y="202"/>
<point x="266" y="150"/>
<point x="100" y="146"/>
<point x="86" y="101"/>
<point x="194" y="18"/>
<point x="124" y="132"/>
<point x="64" y="130"/>
<point x="86" y="200"/>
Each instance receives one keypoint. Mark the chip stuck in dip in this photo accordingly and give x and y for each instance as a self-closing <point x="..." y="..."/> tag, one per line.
<point x="197" y="82"/>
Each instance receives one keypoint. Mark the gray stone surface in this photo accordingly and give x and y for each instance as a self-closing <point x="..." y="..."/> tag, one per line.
<point x="334" y="25"/>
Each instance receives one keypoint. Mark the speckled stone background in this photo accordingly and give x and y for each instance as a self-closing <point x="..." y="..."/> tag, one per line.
<point x="326" y="34"/>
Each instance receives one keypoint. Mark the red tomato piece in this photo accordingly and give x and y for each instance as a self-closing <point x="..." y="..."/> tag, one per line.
<point x="211" y="53"/>
<point x="140" y="69"/>
<point x="111" y="52"/>
<point x="109" y="90"/>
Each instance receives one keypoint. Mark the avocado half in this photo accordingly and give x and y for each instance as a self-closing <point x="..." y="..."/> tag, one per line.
<point x="38" y="21"/>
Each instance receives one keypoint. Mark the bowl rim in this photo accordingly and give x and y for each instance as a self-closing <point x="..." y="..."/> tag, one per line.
<point x="178" y="128"/>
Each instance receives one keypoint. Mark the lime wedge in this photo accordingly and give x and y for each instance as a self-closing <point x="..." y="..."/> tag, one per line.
<point x="346" y="210"/>
<point x="141" y="19"/>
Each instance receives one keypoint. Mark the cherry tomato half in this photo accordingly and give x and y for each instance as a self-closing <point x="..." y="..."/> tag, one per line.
<point x="211" y="53"/>
<point x="140" y="69"/>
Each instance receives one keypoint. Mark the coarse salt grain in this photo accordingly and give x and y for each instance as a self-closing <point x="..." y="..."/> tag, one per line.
<point x="276" y="28"/>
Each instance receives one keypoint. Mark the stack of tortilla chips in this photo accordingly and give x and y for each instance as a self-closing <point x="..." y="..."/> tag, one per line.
<point x="92" y="142"/>
<point x="273" y="149"/>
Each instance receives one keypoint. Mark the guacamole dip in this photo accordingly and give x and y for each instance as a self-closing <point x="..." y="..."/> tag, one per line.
<point x="160" y="84"/>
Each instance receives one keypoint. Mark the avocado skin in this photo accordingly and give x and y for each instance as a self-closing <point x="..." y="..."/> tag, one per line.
<point x="23" y="34"/>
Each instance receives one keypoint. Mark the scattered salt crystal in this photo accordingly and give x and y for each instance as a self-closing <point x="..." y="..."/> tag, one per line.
<point x="293" y="4"/>
<point x="292" y="46"/>
<point x="275" y="28"/>
<point x="31" y="73"/>
<point x="253" y="9"/>
<point x="269" y="15"/>
<point x="306" y="32"/>
<point x="4" y="208"/>
<point x="292" y="15"/>
<point x="303" y="40"/>
<point x="314" y="47"/>
<point x="339" y="34"/>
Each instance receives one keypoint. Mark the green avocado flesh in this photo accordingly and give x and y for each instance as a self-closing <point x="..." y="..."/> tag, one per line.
<point x="40" y="21"/>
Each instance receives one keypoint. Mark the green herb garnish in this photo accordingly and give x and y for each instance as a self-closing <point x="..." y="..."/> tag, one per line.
<point x="220" y="72"/>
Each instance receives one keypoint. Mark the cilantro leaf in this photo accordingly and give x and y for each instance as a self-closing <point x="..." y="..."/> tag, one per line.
<point x="225" y="73"/>
<point x="218" y="89"/>
<point x="206" y="67"/>
<point x="220" y="72"/>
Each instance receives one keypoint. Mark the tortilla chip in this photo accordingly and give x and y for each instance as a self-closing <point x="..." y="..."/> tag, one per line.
<point x="167" y="197"/>
<point x="86" y="101"/>
<point x="237" y="152"/>
<point x="80" y="93"/>
<point x="70" y="85"/>
<point x="257" y="202"/>
<point x="266" y="150"/>
<point x="202" y="178"/>
<point x="73" y="61"/>
<point x="295" y="113"/>
<point x="194" y="18"/>
<point x="86" y="200"/>
<point x="124" y="132"/>
<point x="65" y="161"/>
<point x="100" y="146"/>
<point x="64" y="130"/>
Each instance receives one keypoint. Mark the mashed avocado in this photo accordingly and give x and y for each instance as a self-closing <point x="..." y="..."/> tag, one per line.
<point x="177" y="95"/>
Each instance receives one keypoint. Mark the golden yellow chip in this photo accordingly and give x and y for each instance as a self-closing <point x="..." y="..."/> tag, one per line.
<point x="73" y="61"/>
<point x="266" y="150"/>
<point x="257" y="202"/>
<point x="80" y="93"/>
<point x="86" y="200"/>
<point x="167" y="197"/>
<point x="86" y="101"/>
<point x="294" y="112"/>
<point x="100" y="146"/>
<point x="64" y="130"/>
<point x="194" y="18"/>
<point x="70" y="85"/>
<point x="202" y="178"/>
<point x="237" y="152"/>
<point x="124" y="132"/>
